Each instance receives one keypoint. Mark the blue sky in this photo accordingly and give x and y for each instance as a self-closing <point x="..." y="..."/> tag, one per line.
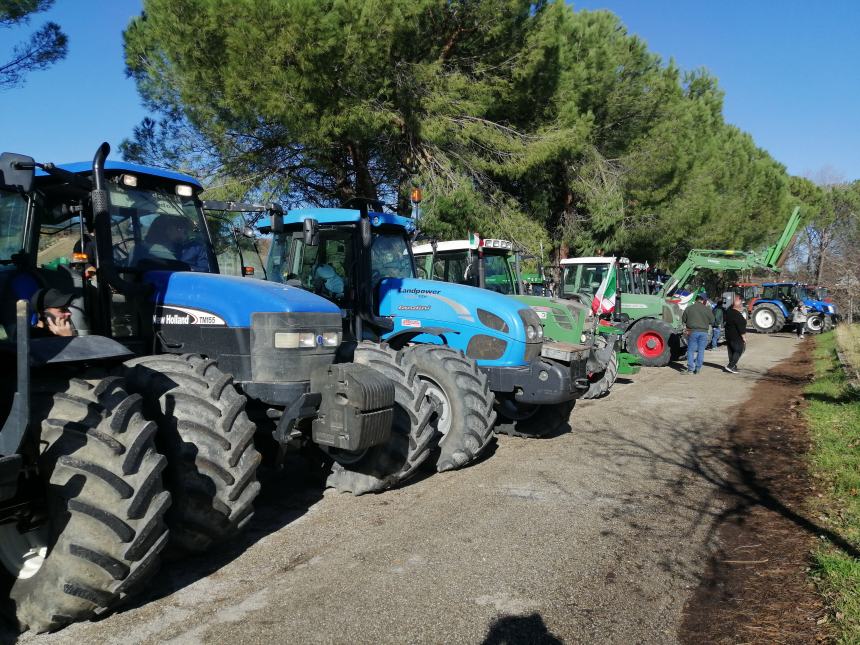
<point x="790" y="70"/>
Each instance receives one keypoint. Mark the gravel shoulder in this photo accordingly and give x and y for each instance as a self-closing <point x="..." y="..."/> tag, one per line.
<point x="600" y="534"/>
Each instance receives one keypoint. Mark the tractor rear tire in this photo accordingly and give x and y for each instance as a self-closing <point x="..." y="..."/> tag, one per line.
<point x="383" y="466"/>
<point x="767" y="319"/>
<point x="532" y="421"/>
<point x="602" y="385"/>
<point x="208" y="440"/>
<point x="651" y="341"/>
<point x="105" y="506"/>
<point x="462" y="401"/>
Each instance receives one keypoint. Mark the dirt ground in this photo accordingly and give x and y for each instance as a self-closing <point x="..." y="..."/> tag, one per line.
<point x="598" y="535"/>
<point x="757" y="587"/>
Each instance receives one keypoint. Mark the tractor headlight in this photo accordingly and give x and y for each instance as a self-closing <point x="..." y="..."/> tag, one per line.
<point x="540" y="332"/>
<point x="531" y="332"/>
<point x="331" y="339"/>
<point x="583" y="339"/>
<point x="306" y="339"/>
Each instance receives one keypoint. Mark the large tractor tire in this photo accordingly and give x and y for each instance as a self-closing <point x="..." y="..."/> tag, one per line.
<point x="208" y="440"/>
<point x="767" y="319"/>
<point x="531" y="421"/>
<point x="381" y="467"/>
<point x="650" y="340"/>
<point x="463" y="415"/>
<point x="603" y="382"/>
<point x="105" y="505"/>
<point x="815" y="323"/>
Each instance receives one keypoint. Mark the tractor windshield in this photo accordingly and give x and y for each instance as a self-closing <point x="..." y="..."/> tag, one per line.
<point x="155" y="226"/>
<point x="13" y="215"/>
<point x="451" y="267"/>
<point x="390" y="257"/>
<point x="497" y="274"/>
<point x="584" y="278"/>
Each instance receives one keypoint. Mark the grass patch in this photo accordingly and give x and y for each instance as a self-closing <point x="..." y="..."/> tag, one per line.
<point x="848" y="337"/>
<point x="833" y="415"/>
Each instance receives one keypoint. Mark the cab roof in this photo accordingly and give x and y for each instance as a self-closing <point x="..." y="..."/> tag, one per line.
<point x="331" y="216"/>
<point x="595" y="259"/>
<point x="85" y="167"/>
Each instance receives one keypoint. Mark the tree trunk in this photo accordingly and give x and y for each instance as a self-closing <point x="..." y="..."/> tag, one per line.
<point x="365" y="187"/>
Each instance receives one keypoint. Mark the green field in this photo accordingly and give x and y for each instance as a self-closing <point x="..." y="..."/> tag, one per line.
<point x="833" y="414"/>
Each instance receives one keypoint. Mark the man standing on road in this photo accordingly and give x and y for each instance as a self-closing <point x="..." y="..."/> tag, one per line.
<point x="718" y="325"/>
<point x="699" y="319"/>
<point x="736" y="328"/>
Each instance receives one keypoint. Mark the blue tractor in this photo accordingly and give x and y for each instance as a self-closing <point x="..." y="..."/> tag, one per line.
<point x="772" y="311"/>
<point x="140" y="420"/>
<point x="466" y="344"/>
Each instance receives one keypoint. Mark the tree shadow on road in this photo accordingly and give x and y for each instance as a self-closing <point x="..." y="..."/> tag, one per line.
<point x="512" y="630"/>
<point x="678" y="456"/>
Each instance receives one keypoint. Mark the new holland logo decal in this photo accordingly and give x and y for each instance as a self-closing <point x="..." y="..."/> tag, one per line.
<point x="172" y="315"/>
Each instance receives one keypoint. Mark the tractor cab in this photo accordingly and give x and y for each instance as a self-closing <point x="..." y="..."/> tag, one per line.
<point x="477" y="262"/>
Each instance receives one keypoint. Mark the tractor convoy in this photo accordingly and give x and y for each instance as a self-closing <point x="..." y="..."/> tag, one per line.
<point x="142" y="433"/>
<point x="492" y="264"/>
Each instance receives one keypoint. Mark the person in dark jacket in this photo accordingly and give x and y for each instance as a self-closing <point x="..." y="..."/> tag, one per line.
<point x="698" y="319"/>
<point x="736" y="329"/>
<point x="718" y="325"/>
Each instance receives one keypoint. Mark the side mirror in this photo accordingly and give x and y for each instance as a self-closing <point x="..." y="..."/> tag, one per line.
<point x="310" y="230"/>
<point x="364" y="228"/>
<point x="17" y="171"/>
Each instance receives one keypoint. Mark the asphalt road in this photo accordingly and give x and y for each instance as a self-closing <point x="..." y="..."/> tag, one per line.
<point x="598" y="535"/>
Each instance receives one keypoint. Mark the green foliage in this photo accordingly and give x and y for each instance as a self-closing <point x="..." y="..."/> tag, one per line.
<point x="43" y="48"/>
<point x="833" y="414"/>
<point x="519" y="119"/>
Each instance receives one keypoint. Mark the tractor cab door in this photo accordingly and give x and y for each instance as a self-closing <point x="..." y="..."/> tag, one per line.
<point x="325" y="269"/>
<point x="152" y="229"/>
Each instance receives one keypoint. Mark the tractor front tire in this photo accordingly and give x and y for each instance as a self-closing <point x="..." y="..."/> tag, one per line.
<point x="601" y="385"/>
<point x="767" y="319"/>
<point x="208" y="440"/>
<point x="531" y="421"/>
<point x="383" y="466"/>
<point x="104" y="526"/>
<point x="815" y="323"/>
<point x="650" y="340"/>
<point x="462" y="400"/>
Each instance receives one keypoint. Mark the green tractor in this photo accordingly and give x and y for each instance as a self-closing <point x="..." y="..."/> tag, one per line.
<point x="651" y="327"/>
<point x="492" y="264"/>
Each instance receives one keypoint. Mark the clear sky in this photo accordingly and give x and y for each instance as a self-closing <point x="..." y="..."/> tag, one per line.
<point x="790" y="70"/>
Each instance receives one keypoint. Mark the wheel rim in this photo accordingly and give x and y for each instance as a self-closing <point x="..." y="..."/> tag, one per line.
<point x="23" y="554"/>
<point x="815" y="323"/>
<point x="516" y="411"/>
<point x="764" y="319"/>
<point x="440" y="402"/>
<point x="650" y="344"/>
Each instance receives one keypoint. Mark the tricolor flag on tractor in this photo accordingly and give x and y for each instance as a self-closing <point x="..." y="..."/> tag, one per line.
<point x="604" y="299"/>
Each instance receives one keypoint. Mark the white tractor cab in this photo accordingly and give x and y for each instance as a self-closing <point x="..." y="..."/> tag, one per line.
<point x="653" y="327"/>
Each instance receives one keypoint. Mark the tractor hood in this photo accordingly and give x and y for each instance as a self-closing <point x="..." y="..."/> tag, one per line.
<point x="211" y="299"/>
<point x="414" y="303"/>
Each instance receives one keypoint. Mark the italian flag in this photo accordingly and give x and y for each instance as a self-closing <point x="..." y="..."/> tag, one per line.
<point x="604" y="299"/>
